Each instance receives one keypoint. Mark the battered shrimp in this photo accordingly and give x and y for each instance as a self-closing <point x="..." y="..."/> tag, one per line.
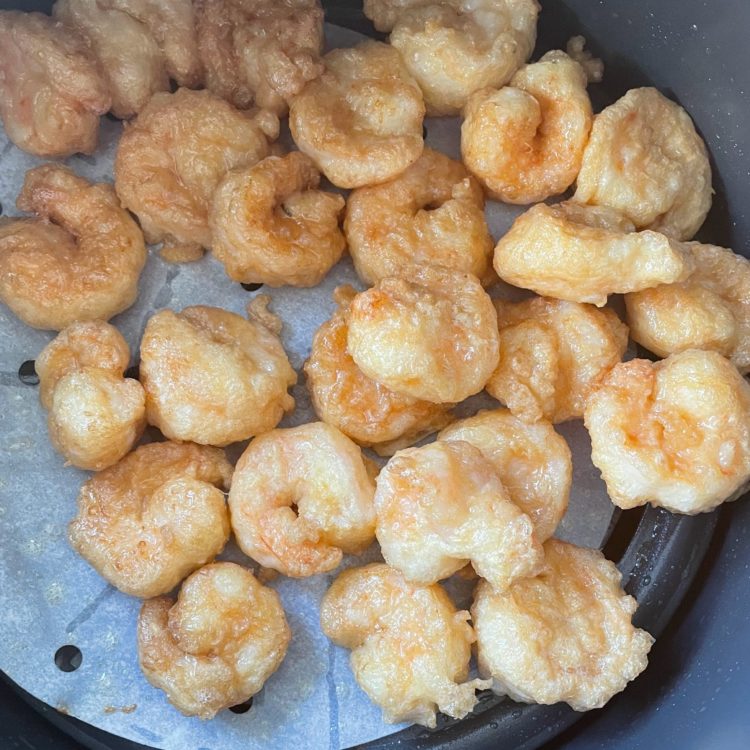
<point x="410" y="647"/>
<point x="363" y="409"/>
<point x="271" y="224"/>
<point x="583" y="254"/>
<point x="532" y="461"/>
<point x="154" y="517"/>
<point x="553" y="354"/>
<point x="645" y="159"/>
<point x="525" y="141"/>
<point x="217" y="644"/>
<point x="79" y="260"/>
<point x="261" y="51"/>
<point x="385" y="13"/>
<point x="173" y="155"/>
<point x="51" y="90"/>
<point x="674" y="433"/>
<point x="361" y="121"/>
<point x="455" y="48"/>
<point x="443" y="505"/>
<point x="711" y="310"/>
<point x="213" y="377"/>
<point x="565" y="635"/>
<point x="95" y="415"/>
<point x="432" y="213"/>
<point x="430" y="333"/>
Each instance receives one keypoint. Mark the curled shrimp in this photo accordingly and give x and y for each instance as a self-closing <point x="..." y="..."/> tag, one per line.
<point x="95" y="414"/>
<point x="271" y="224"/>
<point x="301" y="497"/>
<point x="217" y="644"/>
<point x="79" y="260"/>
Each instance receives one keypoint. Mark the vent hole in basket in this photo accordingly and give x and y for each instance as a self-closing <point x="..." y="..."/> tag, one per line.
<point x="27" y="373"/>
<point x="68" y="658"/>
<point x="251" y="287"/>
<point x="1" y="207"/>
<point x="133" y="372"/>
<point x="242" y="708"/>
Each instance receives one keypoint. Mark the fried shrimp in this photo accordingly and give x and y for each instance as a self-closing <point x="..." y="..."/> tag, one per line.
<point x="443" y="505"/>
<point x="432" y="213"/>
<point x="95" y="414"/>
<point x="456" y="48"/>
<point x="430" y="333"/>
<point x="711" y="310"/>
<point x="585" y="253"/>
<point x="213" y="377"/>
<point x="173" y="155"/>
<point x="532" y="461"/>
<point x="363" y="409"/>
<point x="154" y="517"/>
<point x="79" y="260"/>
<point x="565" y="635"/>
<point x="361" y="121"/>
<point x="301" y="498"/>
<point x="525" y="141"/>
<point x="217" y="644"/>
<point x="271" y="224"/>
<point x="674" y="433"/>
<point x="260" y="51"/>
<point x="52" y="92"/>
<point x="553" y="354"/>
<point x="645" y="159"/>
<point x="410" y="647"/>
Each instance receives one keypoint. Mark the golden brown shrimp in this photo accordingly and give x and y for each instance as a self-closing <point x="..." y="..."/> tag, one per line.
<point x="301" y="498"/>
<point x="217" y="644"/>
<point x="84" y="265"/>
<point x="154" y="517"/>
<point x="410" y="647"/>
<point x="674" y="433"/>
<point x="645" y="159"/>
<point x="565" y="635"/>
<point x="270" y="224"/>
<point x="430" y="333"/>
<point x="385" y="13"/>
<point x="361" y="121"/>
<point x="585" y="253"/>
<point x="432" y="213"/>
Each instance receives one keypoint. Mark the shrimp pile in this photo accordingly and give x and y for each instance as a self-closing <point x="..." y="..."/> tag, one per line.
<point x="645" y="159"/>
<point x="271" y="224"/>
<point x="711" y="310"/>
<point x="361" y="121"/>
<point x="674" y="433"/>
<point x="212" y="377"/>
<point x="430" y="333"/>
<point x="565" y="635"/>
<point x="154" y="517"/>
<point x="95" y="414"/>
<point x="217" y="644"/>
<point x="80" y="260"/>
<point x="553" y="354"/>
<point x="410" y="647"/>
<point x="302" y="497"/>
<point x="443" y="505"/>
<point x="432" y="213"/>
<point x="532" y="461"/>
<point x="583" y="254"/>
<point x="260" y="51"/>
<point x="525" y="141"/>
<point x="173" y="155"/>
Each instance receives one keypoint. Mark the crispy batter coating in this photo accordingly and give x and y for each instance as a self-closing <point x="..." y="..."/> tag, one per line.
<point x="674" y="433"/>
<point x="154" y="517"/>
<point x="565" y="635"/>
<point x="361" y="121"/>
<point x="79" y="260"/>
<point x="217" y="644"/>
<point x="410" y="647"/>
<point x="213" y="377"/>
<point x="645" y="159"/>
<point x="270" y="223"/>
<point x="385" y="13"/>
<point x="430" y="333"/>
